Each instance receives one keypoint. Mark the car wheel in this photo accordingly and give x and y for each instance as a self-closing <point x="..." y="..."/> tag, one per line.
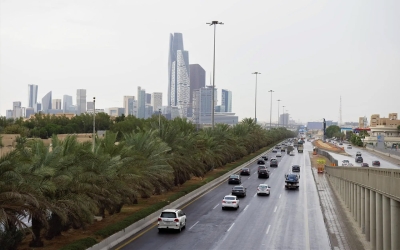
<point x="223" y="208"/>
<point x="180" y="229"/>
<point x="159" y="230"/>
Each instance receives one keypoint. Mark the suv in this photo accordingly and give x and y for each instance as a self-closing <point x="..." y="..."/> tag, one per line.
<point x="234" y="179"/>
<point x="245" y="171"/>
<point x="358" y="153"/>
<point x="359" y="159"/>
<point x="172" y="219"/>
<point x="273" y="162"/>
<point x="295" y="168"/>
<point x="263" y="172"/>
<point x="239" y="191"/>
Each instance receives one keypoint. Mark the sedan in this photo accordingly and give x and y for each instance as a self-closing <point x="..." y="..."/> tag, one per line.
<point x="291" y="153"/>
<point x="234" y="179"/>
<point x="376" y="163"/>
<point x="245" y="171"/>
<point x="263" y="189"/>
<point x="239" y="191"/>
<point x="364" y="164"/>
<point x="230" y="201"/>
<point x="274" y="150"/>
<point x="279" y="154"/>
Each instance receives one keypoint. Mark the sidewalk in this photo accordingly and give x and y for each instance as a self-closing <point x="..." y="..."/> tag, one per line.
<point x="342" y="229"/>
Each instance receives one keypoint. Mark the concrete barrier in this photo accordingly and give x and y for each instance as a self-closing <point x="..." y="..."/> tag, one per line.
<point x="122" y="235"/>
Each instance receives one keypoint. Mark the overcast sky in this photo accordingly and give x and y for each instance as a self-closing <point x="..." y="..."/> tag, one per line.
<point x="309" y="52"/>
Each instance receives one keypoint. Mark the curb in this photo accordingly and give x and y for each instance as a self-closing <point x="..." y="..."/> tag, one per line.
<point x="124" y="234"/>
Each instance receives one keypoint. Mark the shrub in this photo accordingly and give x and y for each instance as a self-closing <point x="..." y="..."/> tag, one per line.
<point x="81" y="244"/>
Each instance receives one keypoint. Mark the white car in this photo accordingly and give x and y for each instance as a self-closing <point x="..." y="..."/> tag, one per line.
<point x="172" y="219"/>
<point x="263" y="189"/>
<point x="291" y="153"/>
<point x="230" y="201"/>
<point x="279" y="154"/>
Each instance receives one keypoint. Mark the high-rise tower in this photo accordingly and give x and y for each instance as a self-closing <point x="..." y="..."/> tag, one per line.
<point x="32" y="95"/>
<point x="80" y="101"/>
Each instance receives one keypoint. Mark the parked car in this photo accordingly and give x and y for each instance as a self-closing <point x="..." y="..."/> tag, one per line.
<point x="172" y="219"/>
<point x="245" y="171"/>
<point x="239" y="191"/>
<point x="234" y="179"/>
<point x="349" y="147"/>
<point x="364" y="164"/>
<point x="263" y="189"/>
<point x="230" y="201"/>
<point x="376" y="163"/>
<point x="359" y="159"/>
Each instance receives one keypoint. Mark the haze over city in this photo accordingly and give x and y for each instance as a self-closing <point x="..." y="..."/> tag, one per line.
<point x="310" y="53"/>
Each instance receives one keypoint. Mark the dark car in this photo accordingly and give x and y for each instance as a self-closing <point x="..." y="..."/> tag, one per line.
<point x="376" y="163"/>
<point x="273" y="162"/>
<point x="283" y="149"/>
<point x="274" y="150"/>
<point x="239" y="191"/>
<point x="358" y="153"/>
<point x="364" y="164"/>
<point x="234" y="179"/>
<point x="263" y="173"/>
<point x="295" y="168"/>
<point x="265" y="157"/>
<point x="245" y="171"/>
<point x="260" y="162"/>
<point x="359" y="159"/>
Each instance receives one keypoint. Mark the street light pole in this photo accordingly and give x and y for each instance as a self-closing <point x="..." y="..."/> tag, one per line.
<point x="94" y="122"/>
<point x="278" y="112"/>
<point x="255" y="98"/>
<point x="270" y="112"/>
<point x="283" y="120"/>
<point x="213" y="101"/>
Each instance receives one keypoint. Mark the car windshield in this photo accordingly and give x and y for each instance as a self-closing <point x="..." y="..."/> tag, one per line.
<point x="229" y="198"/>
<point x="233" y="176"/>
<point x="238" y="188"/>
<point x="245" y="169"/>
<point x="168" y="215"/>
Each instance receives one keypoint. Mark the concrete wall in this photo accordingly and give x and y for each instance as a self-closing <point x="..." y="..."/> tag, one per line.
<point x="384" y="151"/>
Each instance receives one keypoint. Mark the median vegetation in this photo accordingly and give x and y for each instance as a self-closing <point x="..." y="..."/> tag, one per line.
<point x="65" y="185"/>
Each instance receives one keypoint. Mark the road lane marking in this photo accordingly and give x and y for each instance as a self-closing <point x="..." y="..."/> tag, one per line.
<point x="269" y="226"/>
<point x="280" y="196"/>
<point x="275" y="209"/>
<point x="193" y="225"/>
<point x="216" y="206"/>
<point x="255" y="172"/>
<point x="245" y="207"/>
<point x="255" y="195"/>
<point x="230" y="227"/>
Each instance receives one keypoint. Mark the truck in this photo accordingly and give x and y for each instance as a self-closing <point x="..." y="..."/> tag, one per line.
<point x="292" y="181"/>
<point x="289" y="149"/>
<point x="300" y="148"/>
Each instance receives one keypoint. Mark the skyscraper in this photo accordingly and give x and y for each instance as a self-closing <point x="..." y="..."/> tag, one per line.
<point x="156" y="101"/>
<point x="80" y="101"/>
<point x="178" y="75"/>
<point x="148" y="98"/>
<point x="202" y="104"/>
<point x="46" y="103"/>
<point x="141" y="104"/>
<point x="17" y="109"/>
<point x="56" y="104"/>
<point x="32" y="95"/>
<point x="90" y="107"/>
<point x="197" y="81"/>
<point x="67" y="103"/>
<point x="129" y="102"/>
<point x="226" y="101"/>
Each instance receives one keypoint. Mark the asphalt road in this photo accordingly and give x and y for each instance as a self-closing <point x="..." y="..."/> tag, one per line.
<point x="287" y="219"/>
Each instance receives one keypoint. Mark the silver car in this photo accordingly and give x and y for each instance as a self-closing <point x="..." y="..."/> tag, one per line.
<point x="263" y="189"/>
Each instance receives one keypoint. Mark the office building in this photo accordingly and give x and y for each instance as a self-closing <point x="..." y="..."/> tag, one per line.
<point x="32" y="95"/>
<point x="226" y="101"/>
<point x="16" y="108"/>
<point x="202" y="104"/>
<point x="284" y="121"/>
<point x="29" y="112"/>
<point x="197" y="81"/>
<point x="148" y="111"/>
<point x="67" y="104"/>
<point x="80" y="101"/>
<point x="37" y="107"/>
<point x="148" y="98"/>
<point x="9" y="114"/>
<point x="156" y="100"/>
<point x="46" y="102"/>
<point x="129" y="105"/>
<point x="56" y="104"/>
<point x="141" y="104"/>
<point x="89" y="107"/>
<point x="115" y="111"/>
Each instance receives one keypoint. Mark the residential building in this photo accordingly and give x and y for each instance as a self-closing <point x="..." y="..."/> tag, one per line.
<point x="156" y="100"/>
<point x="384" y="130"/>
<point x="141" y="102"/>
<point x="226" y="101"/>
<point x="67" y="104"/>
<point x="56" y="104"/>
<point x="32" y="95"/>
<point x="80" y="101"/>
<point x="129" y="105"/>
<point x="46" y="102"/>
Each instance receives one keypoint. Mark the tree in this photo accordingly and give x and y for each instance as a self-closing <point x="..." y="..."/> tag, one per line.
<point x="331" y="130"/>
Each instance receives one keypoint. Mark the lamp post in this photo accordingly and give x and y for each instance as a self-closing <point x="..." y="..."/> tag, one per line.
<point x="270" y="111"/>
<point x="213" y="101"/>
<point x="94" y="122"/>
<point x="278" y="112"/>
<point x="283" y="118"/>
<point x="255" y="98"/>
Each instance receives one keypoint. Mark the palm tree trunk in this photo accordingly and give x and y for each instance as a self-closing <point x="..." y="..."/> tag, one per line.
<point x="55" y="227"/>
<point x="36" y="228"/>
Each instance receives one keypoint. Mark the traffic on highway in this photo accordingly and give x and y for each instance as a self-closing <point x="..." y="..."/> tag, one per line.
<point x="280" y="219"/>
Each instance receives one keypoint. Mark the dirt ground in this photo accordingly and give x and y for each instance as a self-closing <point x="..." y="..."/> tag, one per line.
<point x="328" y="147"/>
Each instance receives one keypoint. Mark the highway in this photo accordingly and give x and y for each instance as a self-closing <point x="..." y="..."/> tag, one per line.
<point x="287" y="219"/>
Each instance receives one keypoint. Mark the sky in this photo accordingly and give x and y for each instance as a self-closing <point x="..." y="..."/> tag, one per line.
<point x="310" y="53"/>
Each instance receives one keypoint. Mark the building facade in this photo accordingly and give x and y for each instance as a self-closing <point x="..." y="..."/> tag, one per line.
<point x="56" y="104"/>
<point x="128" y="104"/>
<point x="67" y="104"/>
<point x="226" y="101"/>
<point x="197" y="81"/>
<point x="384" y="129"/>
<point x="47" y="102"/>
<point x="202" y="104"/>
<point x="80" y="101"/>
<point x="141" y="104"/>
<point x="32" y="95"/>
<point x="156" y="100"/>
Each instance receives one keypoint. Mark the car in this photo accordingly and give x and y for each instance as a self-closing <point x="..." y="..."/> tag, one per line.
<point x="364" y="164"/>
<point x="263" y="172"/>
<point x="263" y="189"/>
<point x="234" y="179"/>
<point x="376" y="163"/>
<point x="349" y="147"/>
<point x="359" y="159"/>
<point x="279" y="154"/>
<point x="358" y="153"/>
<point x="274" y="150"/>
<point x="283" y="149"/>
<point x="273" y="162"/>
<point x="340" y="144"/>
<point x="291" y="153"/>
<point x="295" y="168"/>
<point x="230" y="201"/>
<point x="245" y="171"/>
<point x="172" y="219"/>
<point x="260" y="162"/>
<point x="239" y="191"/>
<point x="265" y="157"/>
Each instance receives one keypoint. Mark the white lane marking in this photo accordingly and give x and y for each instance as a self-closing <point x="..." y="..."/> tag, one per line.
<point x="249" y="177"/>
<point x="275" y="209"/>
<point x="280" y="196"/>
<point x="245" y="207"/>
<point x="269" y="226"/>
<point x="216" y="206"/>
<point x="255" y="172"/>
<point x="255" y="195"/>
<point x="230" y="227"/>
<point x="306" y="210"/>
<point x="193" y="225"/>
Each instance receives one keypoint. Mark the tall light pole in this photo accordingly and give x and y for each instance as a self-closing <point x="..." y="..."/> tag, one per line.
<point x="213" y="101"/>
<point x="255" y="98"/>
<point x="270" y="111"/>
<point x="283" y="120"/>
<point x="278" y="112"/>
<point x="94" y="122"/>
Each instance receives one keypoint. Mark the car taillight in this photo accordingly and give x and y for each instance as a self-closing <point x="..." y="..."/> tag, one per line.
<point x="258" y="189"/>
<point x="234" y="202"/>
<point x="223" y="201"/>
<point x="176" y="220"/>
<point x="159" y="219"/>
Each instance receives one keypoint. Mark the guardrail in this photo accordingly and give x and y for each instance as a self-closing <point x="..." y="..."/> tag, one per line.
<point x="122" y="235"/>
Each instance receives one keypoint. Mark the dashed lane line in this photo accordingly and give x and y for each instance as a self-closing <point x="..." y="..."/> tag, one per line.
<point x="193" y="225"/>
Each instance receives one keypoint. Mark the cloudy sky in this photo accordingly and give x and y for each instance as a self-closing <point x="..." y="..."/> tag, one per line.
<point x="310" y="53"/>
